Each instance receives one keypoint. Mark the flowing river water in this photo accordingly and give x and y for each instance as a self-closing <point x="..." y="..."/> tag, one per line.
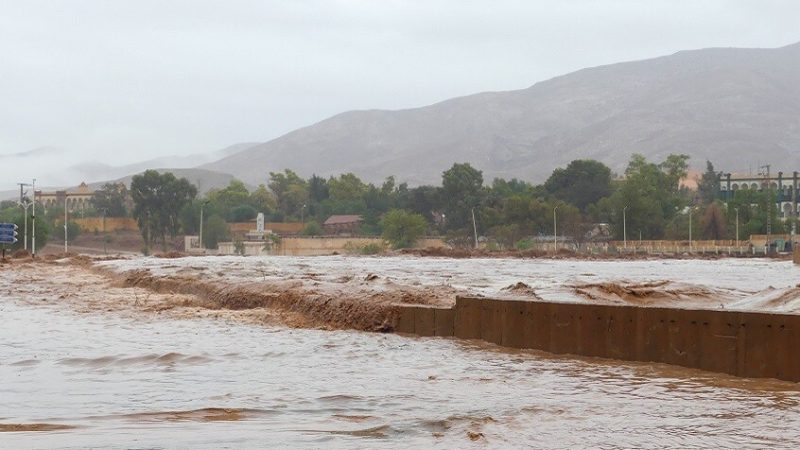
<point x="101" y="379"/>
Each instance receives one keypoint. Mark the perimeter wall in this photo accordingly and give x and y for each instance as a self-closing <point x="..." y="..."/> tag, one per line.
<point x="747" y="344"/>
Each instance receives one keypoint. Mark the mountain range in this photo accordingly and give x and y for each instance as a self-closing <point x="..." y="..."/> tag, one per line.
<point x="735" y="107"/>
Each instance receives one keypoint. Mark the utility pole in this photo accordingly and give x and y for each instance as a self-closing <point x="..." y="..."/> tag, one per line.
<point x="474" y="228"/>
<point x="794" y="207"/>
<point x="767" y="187"/>
<point x="24" y="205"/>
<point x="737" y="226"/>
<point x="33" y="220"/>
<point x="624" y="227"/>
<point x="202" y="205"/>
<point x="65" y="224"/>
<point x="690" y="230"/>
<point x="105" y="250"/>
<point x="555" y="231"/>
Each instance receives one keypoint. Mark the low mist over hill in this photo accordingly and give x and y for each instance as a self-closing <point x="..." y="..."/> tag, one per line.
<point x="735" y="107"/>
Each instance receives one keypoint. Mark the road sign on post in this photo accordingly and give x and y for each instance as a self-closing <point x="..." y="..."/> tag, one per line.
<point x="8" y="233"/>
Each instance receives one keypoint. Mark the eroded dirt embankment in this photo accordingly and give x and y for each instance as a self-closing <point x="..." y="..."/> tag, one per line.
<point x="368" y="305"/>
<point x="303" y="308"/>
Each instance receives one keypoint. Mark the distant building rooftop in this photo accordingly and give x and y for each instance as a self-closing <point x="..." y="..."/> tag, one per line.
<point x="343" y="219"/>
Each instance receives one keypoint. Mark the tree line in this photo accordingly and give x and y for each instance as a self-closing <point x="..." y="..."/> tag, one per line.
<point x="648" y="201"/>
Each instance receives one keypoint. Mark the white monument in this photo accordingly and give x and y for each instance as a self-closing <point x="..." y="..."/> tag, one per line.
<point x="260" y="223"/>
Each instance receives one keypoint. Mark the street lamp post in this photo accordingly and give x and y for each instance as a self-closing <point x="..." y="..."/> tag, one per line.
<point x="24" y="205"/>
<point x="33" y="220"/>
<point x="202" y="205"/>
<point x="690" y="230"/>
<point x="25" y="224"/>
<point x="65" y="224"/>
<point x="737" y="226"/>
<point x="105" y="250"/>
<point x="303" y="214"/>
<point x="555" y="231"/>
<point x="624" y="227"/>
<point x="474" y="228"/>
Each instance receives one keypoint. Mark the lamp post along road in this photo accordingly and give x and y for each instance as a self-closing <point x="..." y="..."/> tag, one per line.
<point x="555" y="231"/>
<point x="24" y="205"/>
<point x="65" y="224"/>
<point x="25" y="224"/>
<point x="474" y="228"/>
<point x="202" y="205"/>
<point x="737" y="226"/>
<point x="105" y="250"/>
<point x="624" y="227"/>
<point x="33" y="220"/>
<point x="690" y="230"/>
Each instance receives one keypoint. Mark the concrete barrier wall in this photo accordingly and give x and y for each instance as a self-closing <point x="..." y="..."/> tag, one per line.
<point x="750" y="344"/>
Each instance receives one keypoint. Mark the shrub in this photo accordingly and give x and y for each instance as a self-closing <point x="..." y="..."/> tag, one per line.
<point x="403" y="228"/>
<point x="313" y="229"/>
<point x="524" y="244"/>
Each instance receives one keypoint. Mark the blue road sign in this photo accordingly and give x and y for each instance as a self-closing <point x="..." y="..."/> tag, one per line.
<point x="8" y="233"/>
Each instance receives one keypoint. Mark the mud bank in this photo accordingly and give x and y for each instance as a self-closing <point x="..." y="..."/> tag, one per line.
<point x="367" y="304"/>
<point x="302" y="308"/>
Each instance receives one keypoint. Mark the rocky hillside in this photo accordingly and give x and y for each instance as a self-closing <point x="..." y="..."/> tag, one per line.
<point x="737" y="107"/>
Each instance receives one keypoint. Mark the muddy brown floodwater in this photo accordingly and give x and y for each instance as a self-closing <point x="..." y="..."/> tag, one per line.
<point x="88" y="360"/>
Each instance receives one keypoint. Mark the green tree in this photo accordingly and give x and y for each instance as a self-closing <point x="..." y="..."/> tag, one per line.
<point x="313" y="228"/>
<point x="649" y="196"/>
<point x="158" y="200"/>
<point x="714" y="222"/>
<point x="675" y="167"/>
<point x="14" y="214"/>
<point x="423" y="200"/>
<point x="504" y="189"/>
<point x="582" y="183"/>
<point x="262" y="200"/>
<point x="317" y="189"/>
<point x="402" y="228"/>
<point x="242" y="213"/>
<point x="291" y="192"/>
<point x="462" y="190"/>
<point x="708" y="186"/>
<point x="111" y="197"/>
<point x="227" y="199"/>
<point x="215" y="230"/>
<point x="346" y="188"/>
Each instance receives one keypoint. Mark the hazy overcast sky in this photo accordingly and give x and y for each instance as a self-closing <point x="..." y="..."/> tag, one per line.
<point x="118" y="82"/>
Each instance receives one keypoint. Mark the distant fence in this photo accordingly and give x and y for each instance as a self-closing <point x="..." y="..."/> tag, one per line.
<point x="749" y="344"/>
<point x="276" y="227"/>
<point x="316" y="245"/>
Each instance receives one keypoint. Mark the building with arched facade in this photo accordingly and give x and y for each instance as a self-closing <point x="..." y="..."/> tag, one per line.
<point x="78" y="199"/>
<point x="784" y="187"/>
